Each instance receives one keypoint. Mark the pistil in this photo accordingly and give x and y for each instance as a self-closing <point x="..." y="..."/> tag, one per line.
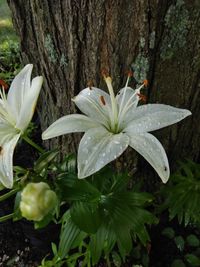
<point x="114" y="119"/>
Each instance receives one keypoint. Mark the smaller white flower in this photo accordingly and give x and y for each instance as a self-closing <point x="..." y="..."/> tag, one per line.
<point x="16" y="111"/>
<point x="114" y="122"/>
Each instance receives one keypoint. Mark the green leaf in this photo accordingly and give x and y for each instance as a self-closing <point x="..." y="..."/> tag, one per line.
<point x="116" y="259"/>
<point x="44" y="160"/>
<point x="192" y="260"/>
<point x="145" y="260"/>
<point x="81" y="190"/>
<point x="17" y="212"/>
<point x="97" y="244"/>
<point x="193" y="241"/>
<point x="86" y="216"/>
<point x="178" y="263"/>
<point x="180" y="243"/>
<point x="168" y="232"/>
<point x="54" y="248"/>
<point x="124" y="240"/>
<point x="68" y="164"/>
<point x="68" y="235"/>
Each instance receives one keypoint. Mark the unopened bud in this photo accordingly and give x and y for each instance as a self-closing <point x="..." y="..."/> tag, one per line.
<point x="37" y="200"/>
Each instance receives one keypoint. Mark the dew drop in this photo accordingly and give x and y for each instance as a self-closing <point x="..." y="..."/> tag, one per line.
<point x="117" y="142"/>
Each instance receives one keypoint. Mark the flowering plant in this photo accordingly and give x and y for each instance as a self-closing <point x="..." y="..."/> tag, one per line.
<point x="16" y="112"/>
<point x="101" y="213"/>
<point x="112" y="123"/>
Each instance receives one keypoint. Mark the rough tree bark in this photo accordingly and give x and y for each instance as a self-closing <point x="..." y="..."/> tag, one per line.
<point x="70" y="41"/>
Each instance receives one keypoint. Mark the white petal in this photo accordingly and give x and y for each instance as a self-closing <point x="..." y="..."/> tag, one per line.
<point x="7" y="131"/>
<point x="6" y="161"/>
<point x="152" y="117"/>
<point x="28" y="106"/>
<point x="69" y="124"/>
<point x="152" y="150"/>
<point x="90" y="103"/>
<point x="18" y="89"/>
<point x="97" y="148"/>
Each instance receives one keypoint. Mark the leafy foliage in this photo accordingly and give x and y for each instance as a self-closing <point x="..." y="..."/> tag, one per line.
<point x="105" y="214"/>
<point x="187" y="246"/>
<point x="182" y="194"/>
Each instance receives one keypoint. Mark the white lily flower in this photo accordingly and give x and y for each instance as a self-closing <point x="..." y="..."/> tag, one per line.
<point x="112" y="123"/>
<point x="16" y="111"/>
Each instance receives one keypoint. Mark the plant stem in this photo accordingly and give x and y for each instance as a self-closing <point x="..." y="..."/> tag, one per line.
<point x="9" y="194"/>
<point x="33" y="144"/>
<point x="6" y="217"/>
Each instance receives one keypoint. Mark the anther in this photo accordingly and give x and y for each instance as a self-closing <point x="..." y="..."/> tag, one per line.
<point x="142" y="97"/>
<point x="145" y="82"/>
<point x="102" y="99"/>
<point x="104" y="73"/>
<point x="4" y="84"/>
<point x="1" y="150"/>
<point x="90" y="84"/>
<point x="129" y="73"/>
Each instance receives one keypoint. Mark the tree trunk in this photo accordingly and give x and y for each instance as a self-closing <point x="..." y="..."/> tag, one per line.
<point x="70" y="41"/>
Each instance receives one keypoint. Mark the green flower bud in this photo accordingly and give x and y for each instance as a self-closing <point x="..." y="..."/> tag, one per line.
<point x="37" y="200"/>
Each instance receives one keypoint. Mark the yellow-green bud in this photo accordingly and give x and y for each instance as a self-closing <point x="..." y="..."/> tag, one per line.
<point x="37" y="200"/>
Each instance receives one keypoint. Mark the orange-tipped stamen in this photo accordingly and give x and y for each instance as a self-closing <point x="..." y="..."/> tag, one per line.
<point x="102" y="99"/>
<point x="90" y="84"/>
<point x="145" y="82"/>
<point x="142" y="97"/>
<point x="104" y="73"/>
<point x="129" y="73"/>
<point x="4" y="84"/>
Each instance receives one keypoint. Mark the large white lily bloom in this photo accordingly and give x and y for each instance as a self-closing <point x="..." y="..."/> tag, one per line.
<point x="16" y="111"/>
<point x="112" y="123"/>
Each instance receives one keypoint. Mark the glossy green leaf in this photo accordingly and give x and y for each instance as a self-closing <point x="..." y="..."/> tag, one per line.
<point x="116" y="259"/>
<point x="68" y="164"/>
<point x="86" y="216"/>
<point x="44" y="160"/>
<point x="193" y="241"/>
<point x="180" y="242"/>
<point x="68" y="235"/>
<point x="17" y="211"/>
<point x="97" y="244"/>
<point x="178" y="263"/>
<point x="168" y="232"/>
<point x="193" y="260"/>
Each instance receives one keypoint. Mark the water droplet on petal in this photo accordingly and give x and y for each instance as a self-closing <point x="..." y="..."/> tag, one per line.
<point x="117" y="142"/>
